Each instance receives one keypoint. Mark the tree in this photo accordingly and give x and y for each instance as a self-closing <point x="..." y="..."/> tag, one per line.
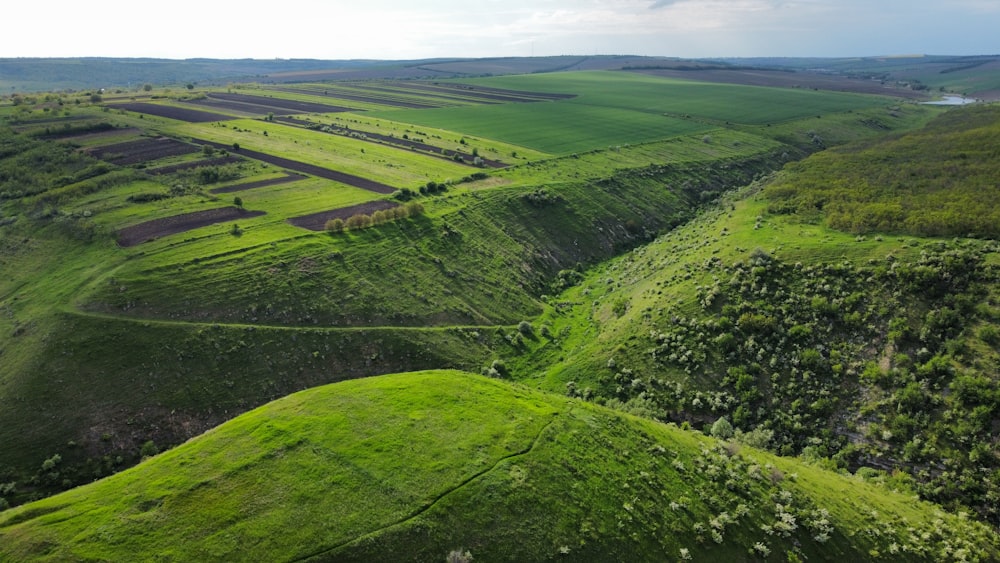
<point x="414" y="208"/>
<point x="147" y="87"/>
<point x="722" y="429"/>
<point x="238" y="202"/>
<point x="335" y="225"/>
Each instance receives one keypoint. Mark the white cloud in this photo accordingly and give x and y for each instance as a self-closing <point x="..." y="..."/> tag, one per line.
<point x="432" y="28"/>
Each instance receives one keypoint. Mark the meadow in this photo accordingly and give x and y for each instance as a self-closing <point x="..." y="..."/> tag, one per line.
<point x="615" y="108"/>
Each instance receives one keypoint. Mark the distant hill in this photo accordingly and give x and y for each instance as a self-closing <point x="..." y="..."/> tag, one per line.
<point x="975" y="76"/>
<point x="50" y="74"/>
<point x="429" y="465"/>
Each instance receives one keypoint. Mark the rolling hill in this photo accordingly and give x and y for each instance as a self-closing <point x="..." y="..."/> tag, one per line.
<point x="420" y="465"/>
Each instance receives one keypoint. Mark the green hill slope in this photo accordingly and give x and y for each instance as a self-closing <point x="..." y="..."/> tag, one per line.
<point x="939" y="181"/>
<point x="875" y="352"/>
<point x="415" y="466"/>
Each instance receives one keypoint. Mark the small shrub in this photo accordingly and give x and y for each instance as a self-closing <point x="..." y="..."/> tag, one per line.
<point x="335" y="225"/>
<point x="357" y="222"/>
<point x="148" y="449"/>
<point x="51" y="463"/>
<point x="414" y="208"/>
<point x="722" y="429"/>
<point x="458" y="556"/>
<point x="990" y="335"/>
<point x="525" y="328"/>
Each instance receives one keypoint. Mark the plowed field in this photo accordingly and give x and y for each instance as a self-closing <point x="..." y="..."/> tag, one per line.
<point x="171" y="112"/>
<point x="141" y="150"/>
<point x="317" y="221"/>
<point x="137" y="234"/>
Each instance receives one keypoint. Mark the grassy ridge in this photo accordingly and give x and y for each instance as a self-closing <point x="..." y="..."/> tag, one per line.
<point x="413" y="466"/>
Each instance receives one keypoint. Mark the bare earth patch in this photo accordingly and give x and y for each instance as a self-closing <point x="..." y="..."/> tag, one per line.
<point x="141" y="150"/>
<point x="317" y="221"/>
<point x="150" y="230"/>
<point x="171" y="112"/>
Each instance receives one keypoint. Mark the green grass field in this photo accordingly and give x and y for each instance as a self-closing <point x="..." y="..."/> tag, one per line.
<point x="618" y="108"/>
<point x="413" y="467"/>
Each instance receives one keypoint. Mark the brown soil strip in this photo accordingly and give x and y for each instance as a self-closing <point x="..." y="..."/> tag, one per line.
<point x="431" y="150"/>
<point x="171" y="112"/>
<point x="305" y="168"/>
<point x="474" y="93"/>
<point x="279" y="105"/>
<point x="143" y="232"/>
<point x="141" y="150"/>
<point x="218" y="161"/>
<point x="358" y="98"/>
<point x="258" y="184"/>
<point x="317" y="221"/>
<point x="249" y="110"/>
<point x="83" y="137"/>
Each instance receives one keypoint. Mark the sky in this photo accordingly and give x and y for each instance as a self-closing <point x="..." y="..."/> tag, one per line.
<point x="415" y="29"/>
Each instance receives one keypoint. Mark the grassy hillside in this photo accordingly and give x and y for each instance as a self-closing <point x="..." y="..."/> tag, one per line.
<point x="940" y="181"/>
<point x="874" y="352"/>
<point x="416" y="466"/>
<point x="107" y="348"/>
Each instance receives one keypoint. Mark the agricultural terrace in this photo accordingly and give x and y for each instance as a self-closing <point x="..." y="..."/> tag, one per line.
<point x="617" y="108"/>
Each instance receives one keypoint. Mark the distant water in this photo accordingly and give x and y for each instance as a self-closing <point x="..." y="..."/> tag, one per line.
<point x="951" y="101"/>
